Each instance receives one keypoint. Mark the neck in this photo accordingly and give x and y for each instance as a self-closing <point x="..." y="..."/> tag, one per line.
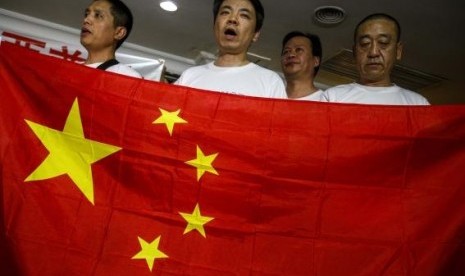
<point x="299" y="88"/>
<point x="101" y="56"/>
<point x="375" y="83"/>
<point x="231" y="60"/>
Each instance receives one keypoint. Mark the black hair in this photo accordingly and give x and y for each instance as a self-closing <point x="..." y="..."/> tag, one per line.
<point x="375" y="16"/>
<point x="122" y="17"/>
<point x="317" y="50"/>
<point x="257" y="5"/>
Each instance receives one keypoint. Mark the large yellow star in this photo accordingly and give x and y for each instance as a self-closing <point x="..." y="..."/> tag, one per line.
<point x="203" y="163"/>
<point x="195" y="221"/>
<point x="149" y="251"/>
<point x="69" y="153"/>
<point x="169" y="119"/>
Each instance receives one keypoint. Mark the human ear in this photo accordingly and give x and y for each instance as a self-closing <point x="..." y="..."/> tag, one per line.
<point x="120" y="32"/>
<point x="399" y="49"/>
<point x="255" y="37"/>
<point x="316" y="61"/>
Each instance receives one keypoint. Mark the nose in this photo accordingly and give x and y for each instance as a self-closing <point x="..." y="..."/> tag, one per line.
<point x="232" y="19"/>
<point x="289" y="53"/>
<point x="374" y="50"/>
<point x="87" y="18"/>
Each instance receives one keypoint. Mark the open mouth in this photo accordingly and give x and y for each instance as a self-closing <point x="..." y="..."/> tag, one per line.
<point x="230" y="33"/>
<point x="84" y="31"/>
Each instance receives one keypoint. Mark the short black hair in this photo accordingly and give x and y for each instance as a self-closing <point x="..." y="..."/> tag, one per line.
<point x="257" y="5"/>
<point x="122" y="17"/>
<point x="317" y="50"/>
<point x="375" y="16"/>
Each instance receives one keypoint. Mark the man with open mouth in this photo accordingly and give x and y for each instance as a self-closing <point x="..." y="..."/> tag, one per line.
<point x="237" y="25"/>
<point x="106" y="25"/>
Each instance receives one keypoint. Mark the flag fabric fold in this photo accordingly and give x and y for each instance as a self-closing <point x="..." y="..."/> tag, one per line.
<point x="103" y="174"/>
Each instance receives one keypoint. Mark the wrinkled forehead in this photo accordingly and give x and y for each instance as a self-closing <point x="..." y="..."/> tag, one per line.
<point x="376" y="27"/>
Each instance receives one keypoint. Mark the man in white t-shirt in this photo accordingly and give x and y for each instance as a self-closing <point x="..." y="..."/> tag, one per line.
<point x="376" y="48"/>
<point x="106" y="25"/>
<point x="300" y="61"/>
<point x="237" y="25"/>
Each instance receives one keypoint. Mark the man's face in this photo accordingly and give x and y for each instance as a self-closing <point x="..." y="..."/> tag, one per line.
<point x="376" y="50"/>
<point x="98" y="30"/>
<point x="297" y="60"/>
<point x="235" y="26"/>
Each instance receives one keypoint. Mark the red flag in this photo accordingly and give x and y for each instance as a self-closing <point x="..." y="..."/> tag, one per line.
<point x="104" y="174"/>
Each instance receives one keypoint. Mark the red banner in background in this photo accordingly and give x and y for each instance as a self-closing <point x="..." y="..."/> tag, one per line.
<point x="105" y="174"/>
<point x="150" y="69"/>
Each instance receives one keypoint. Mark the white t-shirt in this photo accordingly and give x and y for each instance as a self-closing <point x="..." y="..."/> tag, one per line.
<point x="362" y="94"/>
<point x="249" y="80"/>
<point x="119" y="69"/>
<point x="315" y="96"/>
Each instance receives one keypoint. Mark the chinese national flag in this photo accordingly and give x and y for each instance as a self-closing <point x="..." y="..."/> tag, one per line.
<point x="102" y="174"/>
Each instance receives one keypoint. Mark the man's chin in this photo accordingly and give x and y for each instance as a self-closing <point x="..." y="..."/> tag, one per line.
<point x="290" y="72"/>
<point x="83" y="41"/>
<point x="373" y="73"/>
<point x="374" y="67"/>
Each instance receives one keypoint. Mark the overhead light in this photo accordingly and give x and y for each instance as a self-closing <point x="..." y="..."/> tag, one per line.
<point x="168" y="5"/>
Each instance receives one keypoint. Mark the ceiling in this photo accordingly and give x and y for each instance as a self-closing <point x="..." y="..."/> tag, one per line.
<point x="432" y="30"/>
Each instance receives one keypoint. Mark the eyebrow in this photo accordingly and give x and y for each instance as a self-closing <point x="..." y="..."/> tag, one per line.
<point x="368" y="36"/>
<point x="228" y="7"/>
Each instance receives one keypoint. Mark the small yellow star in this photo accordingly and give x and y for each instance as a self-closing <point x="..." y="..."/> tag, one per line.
<point x="69" y="153"/>
<point x="169" y="119"/>
<point x="203" y="163"/>
<point x="195" y="221"/>
<point x="149" y="252"/>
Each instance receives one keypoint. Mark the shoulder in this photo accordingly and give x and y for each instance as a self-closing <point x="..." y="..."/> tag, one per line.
<point x="124" y="69"/>
<point x="192" y="72"/>
<point x="262" y="70"/>
<point x="315" y="96"/>
<point x="341" y="87"/>
<point x="343" y="93"/>
<point x="266" y="75"/>
<point x="197" y="68"/>
<point x="412" y="97"/>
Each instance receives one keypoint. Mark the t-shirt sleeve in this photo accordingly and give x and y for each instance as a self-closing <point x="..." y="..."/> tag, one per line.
<point x="278" y="89"/>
